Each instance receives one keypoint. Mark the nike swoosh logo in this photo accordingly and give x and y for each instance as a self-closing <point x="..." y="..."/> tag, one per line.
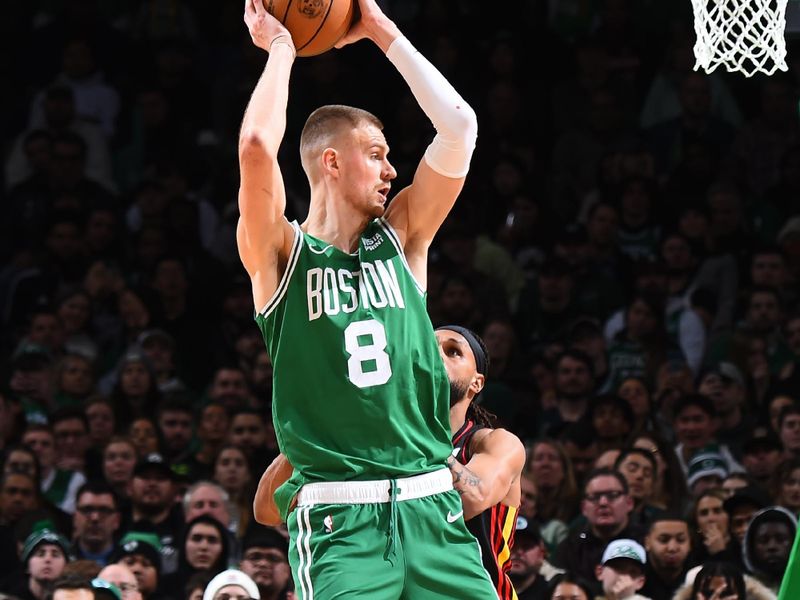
<point x="452" y="518"/>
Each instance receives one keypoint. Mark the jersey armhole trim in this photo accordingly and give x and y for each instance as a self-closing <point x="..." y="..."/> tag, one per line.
<point x="392" y="234"/>
<point x="283" y="285"/>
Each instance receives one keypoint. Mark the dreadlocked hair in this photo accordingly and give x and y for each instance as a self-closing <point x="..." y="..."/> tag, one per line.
<point x="481" y="416"/>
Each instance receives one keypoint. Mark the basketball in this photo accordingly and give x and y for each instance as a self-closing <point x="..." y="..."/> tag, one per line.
<point x="315" y="25"/>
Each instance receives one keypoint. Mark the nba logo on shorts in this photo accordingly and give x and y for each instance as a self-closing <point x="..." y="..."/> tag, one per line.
<point x="327" y="522"/>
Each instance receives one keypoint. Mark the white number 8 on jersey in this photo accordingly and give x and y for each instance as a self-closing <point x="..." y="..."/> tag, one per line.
<point x="374" y="351"/>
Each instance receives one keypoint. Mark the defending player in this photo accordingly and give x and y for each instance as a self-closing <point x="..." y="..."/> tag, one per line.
<point x="487" y="462"/>
<point x="360" y="394"/>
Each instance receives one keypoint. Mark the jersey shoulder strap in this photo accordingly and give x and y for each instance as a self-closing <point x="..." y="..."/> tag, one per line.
<point x="462" y="441"/>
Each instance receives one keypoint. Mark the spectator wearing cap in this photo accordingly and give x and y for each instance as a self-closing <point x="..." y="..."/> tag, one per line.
<point x="786" y="485"/>
<point x="44" y="556"/>
<point x="767" y="544"/>
<point x="153" y="506"/>
<point x="141" y="553"/>
<point x="741" y="507"/>
<point x="607" y="507"/>
<point x="789" y="430"/>
<point x="232" y="584"/>
<point x="265" y="560"/>
<point x="668" y="545"/>
<point x="707" y="471"/>
<point x="95" y="522"/>
<point x="574" y="384"/>
<point x="762" y="452"/>
<point x="621" y="570"/>
<point x="695" y="429"/>
<point x="102" y="589"/>
<point x="724" y="384"/>
<point x="530" y="572"/>
<point x="59" y="486"/>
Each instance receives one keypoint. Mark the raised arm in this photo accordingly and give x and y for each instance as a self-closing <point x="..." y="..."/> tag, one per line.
<point x="491" y="474"/>
<point x="264" y="509"/>
<point x="263" y="235"/>
<point x="417" y="212"/>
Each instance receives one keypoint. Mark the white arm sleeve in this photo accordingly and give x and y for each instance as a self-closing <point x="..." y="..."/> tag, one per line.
<point x="455" y="122"/>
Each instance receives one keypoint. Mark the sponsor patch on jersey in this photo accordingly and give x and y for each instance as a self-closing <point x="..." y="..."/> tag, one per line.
<point x="373" y="242"/>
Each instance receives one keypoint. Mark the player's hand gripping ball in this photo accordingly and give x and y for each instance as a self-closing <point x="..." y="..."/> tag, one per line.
<point x="315" y="25"/>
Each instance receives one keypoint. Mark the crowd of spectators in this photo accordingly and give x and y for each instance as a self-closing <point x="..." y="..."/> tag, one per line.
<point x="627" y="245"/>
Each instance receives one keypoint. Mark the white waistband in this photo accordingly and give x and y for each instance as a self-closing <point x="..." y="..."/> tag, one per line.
<point x="375" y="492"/>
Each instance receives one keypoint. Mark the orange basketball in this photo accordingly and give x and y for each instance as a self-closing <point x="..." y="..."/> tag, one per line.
<point x="315" y="25"/>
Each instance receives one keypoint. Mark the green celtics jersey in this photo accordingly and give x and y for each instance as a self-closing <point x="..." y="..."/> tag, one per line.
<point x="359" y="388"/>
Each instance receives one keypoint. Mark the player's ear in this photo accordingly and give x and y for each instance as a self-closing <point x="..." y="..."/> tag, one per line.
<point x="330" y="161"/>
<point x="478" y="382"/>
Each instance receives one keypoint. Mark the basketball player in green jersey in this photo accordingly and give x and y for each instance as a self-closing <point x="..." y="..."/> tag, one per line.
<point x="486" y="463"/>
<point x="360" y="394"/>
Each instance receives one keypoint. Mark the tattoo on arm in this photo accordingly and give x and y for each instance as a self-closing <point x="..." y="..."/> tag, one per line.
<point x="463" y="478"/>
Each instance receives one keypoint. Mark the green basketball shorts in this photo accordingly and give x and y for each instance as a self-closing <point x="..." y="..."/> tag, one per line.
<point x="385" y="540"/>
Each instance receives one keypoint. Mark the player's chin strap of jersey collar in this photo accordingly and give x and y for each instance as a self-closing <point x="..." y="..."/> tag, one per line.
<point x="475" y="346"/>
<point x="391" y="544"/>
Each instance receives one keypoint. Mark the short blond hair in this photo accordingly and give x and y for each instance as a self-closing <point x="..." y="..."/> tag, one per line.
<point x="325" y="123"/>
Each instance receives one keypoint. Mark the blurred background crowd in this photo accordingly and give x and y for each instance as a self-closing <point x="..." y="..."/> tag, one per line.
<point x="627" y="245"/>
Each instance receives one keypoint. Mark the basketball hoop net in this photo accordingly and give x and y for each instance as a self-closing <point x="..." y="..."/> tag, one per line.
<point x="742" y="35"/>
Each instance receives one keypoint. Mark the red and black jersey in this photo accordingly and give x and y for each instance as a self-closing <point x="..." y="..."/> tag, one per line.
<point x="493" y="528"/>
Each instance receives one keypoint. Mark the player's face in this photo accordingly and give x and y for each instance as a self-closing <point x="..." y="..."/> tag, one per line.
<point x="366" y="170"/>
<point x="459" y="362"/>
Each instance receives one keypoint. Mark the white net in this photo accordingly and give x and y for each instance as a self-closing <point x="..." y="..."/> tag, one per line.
<point x="742" y="35"/>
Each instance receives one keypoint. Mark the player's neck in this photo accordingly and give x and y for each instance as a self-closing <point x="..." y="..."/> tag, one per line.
<point x="335" y="222"/>
<point x="458" y="415"/>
